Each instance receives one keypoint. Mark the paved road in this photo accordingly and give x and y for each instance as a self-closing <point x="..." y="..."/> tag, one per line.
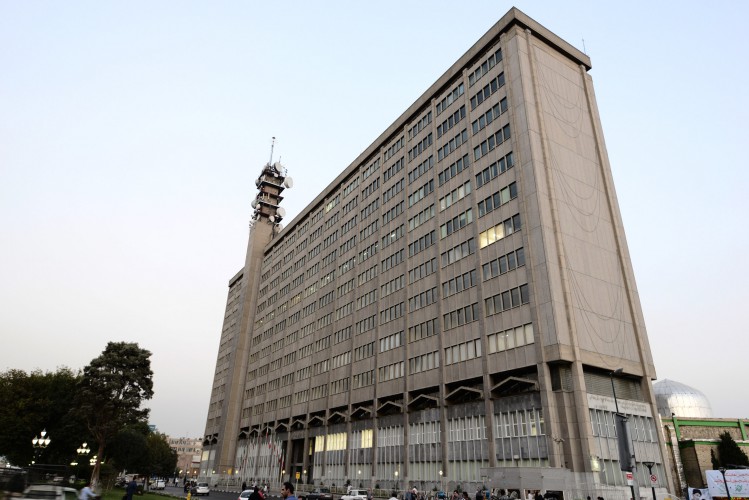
<point x="216" y="494"/>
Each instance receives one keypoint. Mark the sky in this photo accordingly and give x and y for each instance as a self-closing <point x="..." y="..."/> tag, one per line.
<point x="131" y="134"/>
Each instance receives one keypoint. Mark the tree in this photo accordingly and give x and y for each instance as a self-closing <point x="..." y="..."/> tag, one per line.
<point x="111" y="391"/>
<point x="729" y="453"/>
<point x="38" y="401"/>
<point x="162" y="459"/>
<point x="137" y="449"/>
<point x="129" y="448"/>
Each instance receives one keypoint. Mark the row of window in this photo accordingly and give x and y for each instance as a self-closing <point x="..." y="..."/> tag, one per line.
<point x="421" y="169"/>
<point x="463" y="352"/>
<point x="492" y="142"/>
<point x="509" y="339"/>
<point x="452" y="145"/>
<point x="459" y="283"/>
<point x="451" y="121"/>
<point x="456" y="223"/>
<point x="504" y="195"/>
<point x="424" y="362"/>
<point x="422" y="299"/>
<point x="393" y="169"/>
<point x="392" y="236"/>
<point x="504" y="264"/>
<point x="514" y="297"/>
<point x="420" y="147"/>
<point x="455" y="195"/>
<point x="498" y="167"/>
<point x="500" y="231"/>
<point x="484" y="68"/>
<point x="497" y="342"/>
<point x="490" y="88"/>
<point x="487" y="118"/>
<point x="450" y="98"/>
<point x="420" y="125"/>
<point x="454" y="169"/>
<point x="421" y="217"/>
<point x="394" y="148"/>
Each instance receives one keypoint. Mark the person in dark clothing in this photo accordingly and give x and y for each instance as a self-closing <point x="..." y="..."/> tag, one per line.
<point x="131" y="488"/>
<point x="255" y="495"/>
<point x="244" y="485"/>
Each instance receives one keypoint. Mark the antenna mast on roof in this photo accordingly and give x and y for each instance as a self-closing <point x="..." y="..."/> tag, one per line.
<point x="272" y="143"/>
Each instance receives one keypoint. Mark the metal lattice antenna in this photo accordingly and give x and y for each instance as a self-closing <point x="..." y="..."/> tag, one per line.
<point x="272" y="143"/>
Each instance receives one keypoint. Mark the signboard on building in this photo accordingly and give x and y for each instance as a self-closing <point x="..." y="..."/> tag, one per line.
<point x="736" y="479"/>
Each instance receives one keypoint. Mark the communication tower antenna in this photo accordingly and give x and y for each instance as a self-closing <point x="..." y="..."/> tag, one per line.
<point x="272" y="143"/>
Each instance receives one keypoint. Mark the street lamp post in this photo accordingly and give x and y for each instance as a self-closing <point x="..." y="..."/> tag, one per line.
<point x="396" y="480"/>
<point x="442" y="487"/>
<point x="627" y="460"/>
<point x="723" y="472"/>
<point x="650" y="465"/>
<point x="40" y="442"/>
<point x="83" y="449"/>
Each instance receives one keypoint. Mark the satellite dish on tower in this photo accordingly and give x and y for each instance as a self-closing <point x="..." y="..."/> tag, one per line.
<point x="281" y="212"/>
<point x="272" y="218"/>
<point x="257" y="182"/>
<point x="288" y="182"/>
<point x="253" y="204"/>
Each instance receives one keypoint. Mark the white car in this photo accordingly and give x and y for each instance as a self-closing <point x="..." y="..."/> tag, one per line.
<point x="202" y="489"/>
<point x="355" y="495"/>
<point x="160" y="484"/>
<point x="50" y="492"/>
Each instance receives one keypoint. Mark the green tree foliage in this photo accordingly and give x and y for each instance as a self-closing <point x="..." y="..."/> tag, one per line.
<point x="162" y="459"/>
<point x="38" y="401"/>
<point x="111" y="392"/>
<point x="729" y="453"/>
<point x="137" y="449"/>
<point x="128" y="449"/>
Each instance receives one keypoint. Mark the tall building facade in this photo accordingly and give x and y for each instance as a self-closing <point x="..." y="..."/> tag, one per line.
<point x="449" y="311"/>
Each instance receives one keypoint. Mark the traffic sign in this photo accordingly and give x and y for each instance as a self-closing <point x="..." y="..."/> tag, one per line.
<point x="653" y="479"/>
<point x="630" y="478"/>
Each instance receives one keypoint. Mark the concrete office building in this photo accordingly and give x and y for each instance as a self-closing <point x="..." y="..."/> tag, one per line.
<point x="450" y="309"/>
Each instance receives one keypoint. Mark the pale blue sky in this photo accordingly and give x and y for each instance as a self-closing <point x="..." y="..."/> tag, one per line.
<point x="131" y="134"/>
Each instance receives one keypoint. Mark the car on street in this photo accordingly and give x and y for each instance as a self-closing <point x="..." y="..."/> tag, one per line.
<point x="159" y="484"/>
<point x="356" y="495"/>
<point x="202" y="489"/>
<point x="50" y="492"/>
<point x="316" y="494"/>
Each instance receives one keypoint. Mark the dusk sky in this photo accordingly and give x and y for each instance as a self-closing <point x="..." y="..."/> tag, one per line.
<point x="131" y="134"/>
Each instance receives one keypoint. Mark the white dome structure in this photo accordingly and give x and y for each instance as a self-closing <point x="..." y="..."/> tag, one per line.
<point x="675" y="398"/>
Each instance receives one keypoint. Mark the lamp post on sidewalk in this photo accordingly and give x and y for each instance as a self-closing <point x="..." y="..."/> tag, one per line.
<point x="40" y="442"/>
<point x="650" y="465"/>
<point x="627" y="460"/>
<point x="723" y="472"/>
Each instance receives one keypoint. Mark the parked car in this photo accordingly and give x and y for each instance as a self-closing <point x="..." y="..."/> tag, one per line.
<point x="316" y="494"/>
<point x="245" y="494"/>
<point x="356" y="495"/>
<point x="50" y="492"/>
<point x="202" y="489"/>
<point x="159" y="484"/>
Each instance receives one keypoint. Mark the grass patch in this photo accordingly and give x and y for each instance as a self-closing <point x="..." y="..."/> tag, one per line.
<point x="117" y="493"/>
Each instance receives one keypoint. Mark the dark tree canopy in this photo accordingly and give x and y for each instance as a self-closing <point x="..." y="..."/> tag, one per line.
<point x="729" y="453"/>
<point x="162" y="458"/>
<point x="38" y="401"/>
<point x="128" y="449"/>
<point x="112" y="390"/>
